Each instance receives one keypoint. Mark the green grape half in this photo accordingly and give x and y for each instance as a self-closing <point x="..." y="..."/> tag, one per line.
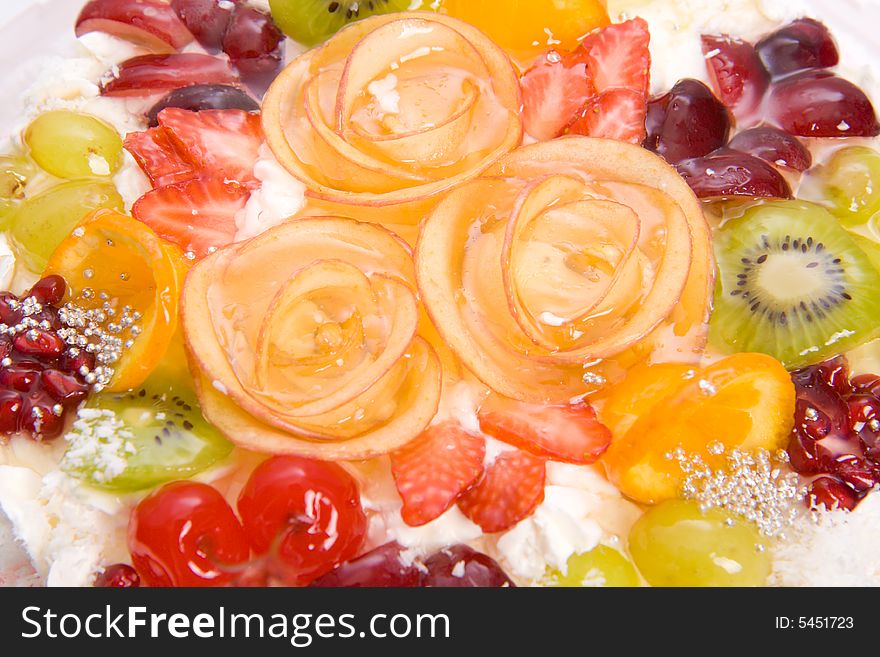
<point x="41" y="222"/>
<point x="676" y="544"/>
<point x="601" y="566"/>
<point x="849" y="183"/>
<point x="73" y="145"/>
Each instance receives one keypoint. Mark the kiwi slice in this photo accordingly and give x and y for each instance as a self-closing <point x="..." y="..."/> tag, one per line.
<point x="793" y="284"/>
<point x="142" y="438"/>
<point x="313" y="21"/>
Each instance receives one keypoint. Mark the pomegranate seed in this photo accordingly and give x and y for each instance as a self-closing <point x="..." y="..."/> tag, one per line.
<point x="19" y="378"/>
<point x="869" y="383"/>
<point x="119" y="576"/>
<point x="5" y="345"/>
<point x="63" y="388"/>
<point x="774" y="146"/>
<point x="831" y="493"/>
<point x="74" y="364"/>
<point x="858" y="473"/>
<point x="39" y="419"/>
<point x="801" y="45"/>
<point x="11" y="404"/>
<point x="833" y="373"/>
<point x="49" y="289"/>
<point x="802" y="455"/>
<point x="38" y="342"/>
<point x="9" y="315"/>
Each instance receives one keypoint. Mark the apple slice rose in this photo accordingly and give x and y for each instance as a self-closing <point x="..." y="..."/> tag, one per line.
<point x="391" y="112"/>
<point x="305" y="340"/>
<point x="567" y="261"/>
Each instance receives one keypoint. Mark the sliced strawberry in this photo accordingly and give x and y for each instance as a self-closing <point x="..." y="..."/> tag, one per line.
<point x="560" y="433"/>
<point x="553" y="94"/>
<point x="508" y="492"/>
<point x="159" y="158"/>
<point x="433" y="470"/>
<point x="616" y="114"/>
<point x="157" y="74"/>
<point x="737" y="73"/>
<point x="219" y="142"/>
<point x="151" y="23"/>
<point x="618" y="56"/>
<point x="198" y="215"/>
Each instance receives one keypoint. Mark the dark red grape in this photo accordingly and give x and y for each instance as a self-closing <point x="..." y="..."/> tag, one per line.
<point x="157" y="74"/>
<point x="253" y="41"/>
<point x="730" y="173"/>
<point x="774" y="146"/>
<point x="738" y="75"/>
<point x="461" y="566"/>
<point x="818" y="104"/>
<point x="801" y="45"/>
<point x="831" y="493"/>
<point x="206" y="19"/>
<point x="385" y="566"/>
<point x="204" y="97"/>
<point x="687" y="122"/>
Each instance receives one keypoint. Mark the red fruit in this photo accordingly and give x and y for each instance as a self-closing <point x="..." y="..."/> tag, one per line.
<point x="737" y="74"/>
<point x="831" y="493"/>
<point x="801" y="45"/>
<point x="203" y="97"/>
<point x="384" y="566"/>
<point x="206" y="19"/>
<point x="309" y="510"/>
<point x="222" y="143"/>
<point x="617" y="56"/>
<point x="198" y="215"/>
<point x="857" y="473"/>
<point x="869" y="383"/>
<point x="21" y="379"/>
<point x="433" y="470"/>
<point x="38" y="342"/>
<point x="819" y="104"/>
<point x="616" y="114"/>
<point x="461" y="566"/>
<point x="773" y="146"/>
<point x="49" y="289"/>
<point x="38" y="418"/>
<point x="687" y="122"/>
<point x="802" y="455"/>
<point x="151" y="23"/>
<point x="157" y="74"/>
<point x="11" y="406"/>
<point x="730" y="173"/>
<point x="554" y="93"/>
<point x="560" y="433"/>
<point x="10" y="309"/>
<point x="118" y="576"/>
<point x="158" y="157"/>
<point x="253" y="43"/>
<point x="513" y="485"/>
<point x="73" y="364"/>
<point x="833" y="373"/>
<point x="63" y="388"/>
<point x="185" y="534"/>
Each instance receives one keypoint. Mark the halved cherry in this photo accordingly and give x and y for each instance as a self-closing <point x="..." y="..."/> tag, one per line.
<point x="114" y="259"/>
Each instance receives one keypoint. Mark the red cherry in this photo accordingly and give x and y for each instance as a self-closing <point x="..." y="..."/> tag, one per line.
<point x="727" y="173"/>
<point x="819" y="104"/>
<point x="118" y="576"/>
<point x="309" y="509"/>
<point x="185" y="534"/>
<point x="831" y="493"/>
<point x="774" y="146"/>
<point x="384" y="566"/>
<point x="801" y="45"/>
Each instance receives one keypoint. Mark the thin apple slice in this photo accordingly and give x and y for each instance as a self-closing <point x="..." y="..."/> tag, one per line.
<point x="149" y="23"/>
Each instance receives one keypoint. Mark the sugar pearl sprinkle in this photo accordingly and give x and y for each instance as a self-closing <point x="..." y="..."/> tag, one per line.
<point x="105" y="332"/>
<point x="753" y="486"/>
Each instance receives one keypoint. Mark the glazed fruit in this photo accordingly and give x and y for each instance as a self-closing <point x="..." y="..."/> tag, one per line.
<point x="74" y="145"/>
<point x="819" y="104"/>
<point x="601" y="566"/>
<point x="849" y="182"/>
<point x="792" y="284"/>
<point x="253" y="43"/>
<point x="461" y="566"/>
<point x="738" y="76"/>
<point x="726" y="173"/>
<point x="687" y="122"/>
<point x="151" y="23"/>
<point x="675" y="544"/>
<point x="383" y="566"/>
<point x="42" y="222"/>
<point x="804" y="44"/>
<point x="305" y="513"/>
<point x="206" y="19"/>
<point x="161" y="436"/>
<point x="313" y="21"/>
<point x="773" y="146"/>
<point x="744" y="401"/>
<point x="554" y="91"/>
<point x="185" y="534"/>
<point x="118" y="576"/>
<point x="526" y="27"/>
<point x="203" y="97"/>
<point x="113" y="261"/>
<point x="156" y="74"/>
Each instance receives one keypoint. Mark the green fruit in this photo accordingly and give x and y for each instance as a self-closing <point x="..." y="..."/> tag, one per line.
<point x="850" y="182"/>
<point x="73" y="145"/>
<point x="675" y="544"/>
<point x="42" y="222"/>
<point x="14" y="175"/>
<point x="314" y="21"/>
<point x="601" y="566"/>
<point x="793" y="284"/>
<point x="151" y="435"/>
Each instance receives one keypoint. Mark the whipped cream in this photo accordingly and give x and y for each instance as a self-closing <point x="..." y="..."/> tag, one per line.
<point x="279" y="197"/>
